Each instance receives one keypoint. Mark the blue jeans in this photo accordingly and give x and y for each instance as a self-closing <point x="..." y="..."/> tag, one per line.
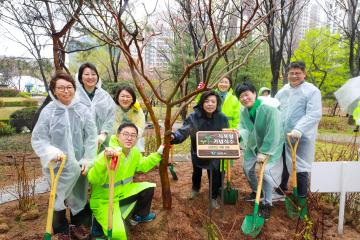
<point x="268" y="182"/>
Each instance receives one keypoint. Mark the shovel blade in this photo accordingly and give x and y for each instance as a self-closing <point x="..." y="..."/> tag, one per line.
<point x="230" y="196"/>
<point x="47" y="236"/>
<point x="295" y="206"/>
<point x="252" y="225"/>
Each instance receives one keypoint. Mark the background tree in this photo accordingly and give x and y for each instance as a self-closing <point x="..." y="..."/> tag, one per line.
<point x="325" y="57"/>
<point x="278" y="25"/>
<point x="345" y="16"/>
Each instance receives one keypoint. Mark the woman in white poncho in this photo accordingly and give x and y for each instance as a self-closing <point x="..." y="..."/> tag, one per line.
<point x="65" y="127"/>
<point x="98" y="101"/>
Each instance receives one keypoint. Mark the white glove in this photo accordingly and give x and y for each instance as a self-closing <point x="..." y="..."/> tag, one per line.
<point x="295" y="134"/>
<point x="101" y="138"/>
<point x="160" y="150"/>
<point x="260" y="158"/>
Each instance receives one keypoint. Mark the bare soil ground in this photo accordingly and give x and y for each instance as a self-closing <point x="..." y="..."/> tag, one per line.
<point x="188" y="219"/>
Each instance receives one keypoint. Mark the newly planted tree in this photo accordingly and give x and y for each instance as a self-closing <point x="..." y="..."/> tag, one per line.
<point x="131" y="35"/>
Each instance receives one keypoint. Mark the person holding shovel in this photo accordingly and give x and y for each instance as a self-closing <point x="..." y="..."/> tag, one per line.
<point x="261" y="136"/>
<point x="98" y="101"/>
<point x="300" y="105"/>
<point x="66" y="128"/>
<point x="207" y="116"/>
<point x="126" y="191"/>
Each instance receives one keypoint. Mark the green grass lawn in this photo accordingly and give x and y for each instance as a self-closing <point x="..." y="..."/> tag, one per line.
<point x="5" y="112"/>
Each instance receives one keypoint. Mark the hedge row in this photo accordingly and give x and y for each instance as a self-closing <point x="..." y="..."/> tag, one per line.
<point x="25" y="103"/>
<point x="8" y="92"/>
<point x="23" y="118"/>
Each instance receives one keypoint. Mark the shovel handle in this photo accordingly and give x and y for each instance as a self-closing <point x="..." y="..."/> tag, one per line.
<point x="293" y="150"/>
<point x="260" y="180"/>
<point x="53" y="185"/>
<point x="228" y="169"/>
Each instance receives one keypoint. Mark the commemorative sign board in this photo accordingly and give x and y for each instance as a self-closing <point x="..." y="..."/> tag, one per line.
<point x="217" y="144"/>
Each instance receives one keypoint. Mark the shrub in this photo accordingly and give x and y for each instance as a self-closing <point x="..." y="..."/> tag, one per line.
<point x="25" y="103"/>
<point x="30" y="102"/>
<point x="8" y="92"/>
<point x="2" y="104"/>
<point x="6" y="129"/>
<point x="333" y="123"/>
<point x="22" y="118"/>
<point x="111" y="87"/>
<point x="24" y="94"/>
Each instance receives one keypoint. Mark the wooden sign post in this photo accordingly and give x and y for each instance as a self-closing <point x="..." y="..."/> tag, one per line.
<point x="218" y="144"/>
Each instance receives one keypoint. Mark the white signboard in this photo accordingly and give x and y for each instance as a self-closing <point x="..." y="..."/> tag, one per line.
<point x="339" y="177"/>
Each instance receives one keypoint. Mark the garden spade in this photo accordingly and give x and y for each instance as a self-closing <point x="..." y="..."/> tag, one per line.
<point x="230" y="194"/>
<point x="111" y="167"/>
<point x="253" y="222"/>
<point x="53" y="185"/>
<point x="295" y="205"/>
<point x="171" y="164"/>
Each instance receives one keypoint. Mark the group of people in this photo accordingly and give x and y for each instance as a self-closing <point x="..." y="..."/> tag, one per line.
<point x="74" y="126"/>
<point x="85" y="124"/>
<point x="263" y="124"/>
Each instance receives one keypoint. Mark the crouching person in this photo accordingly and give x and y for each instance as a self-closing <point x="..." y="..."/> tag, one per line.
<point x="125" y="190"/>
<point x="261" y="135"/>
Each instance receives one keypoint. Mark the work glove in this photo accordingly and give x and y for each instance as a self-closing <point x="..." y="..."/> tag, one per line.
<point x="160" y="150"/>
<point x="101" y="138"/>
<point x="260" y="158"/>
<point x="200" y="86"/>
<point x="84" y="168"/>
<point x="295" y="134"/>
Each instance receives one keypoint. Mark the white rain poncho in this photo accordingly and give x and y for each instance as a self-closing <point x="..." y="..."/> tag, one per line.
<point x="102" y="107"/>
<point x="301" y="110"/>
<point x="68" y="130"/>
<point x="265" y="135"/>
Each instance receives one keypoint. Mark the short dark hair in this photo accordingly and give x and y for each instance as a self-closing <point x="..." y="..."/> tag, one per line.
<point x="129" y="90"/>
<point x="228" y="78"/>
<point x="207" y="94"/>
<point x="243" y="87"/>
<point x="127" y="124"/>
<point x="60" y="75"/>
<point x="82" y="68"/>
<point x="297" y="64"/>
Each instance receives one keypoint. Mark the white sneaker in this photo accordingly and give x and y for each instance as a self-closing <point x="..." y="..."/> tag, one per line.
<point x="214" y="204"/>
<point x="278" y="197"/>
<point x="193" y="194"/>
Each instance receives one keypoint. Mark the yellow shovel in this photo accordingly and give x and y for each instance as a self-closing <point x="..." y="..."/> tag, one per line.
<point x="53" y="185"/>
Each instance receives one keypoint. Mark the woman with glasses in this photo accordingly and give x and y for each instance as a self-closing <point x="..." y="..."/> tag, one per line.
<point x="128" y="110"/>
<point x="207" y="116"/>
<point x="98" y="101"/>
<point x="66" y="128"/>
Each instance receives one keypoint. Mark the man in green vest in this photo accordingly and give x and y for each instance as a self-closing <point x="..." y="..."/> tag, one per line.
<point x="126" y="191"/>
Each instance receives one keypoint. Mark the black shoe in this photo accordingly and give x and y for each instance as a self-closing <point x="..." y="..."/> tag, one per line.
<point x="280" y="191"/>
<point x="251" y="197"/>
<point x="265" y="210"/>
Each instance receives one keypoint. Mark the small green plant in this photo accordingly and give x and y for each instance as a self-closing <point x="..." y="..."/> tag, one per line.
<point x="6" y="129"/>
